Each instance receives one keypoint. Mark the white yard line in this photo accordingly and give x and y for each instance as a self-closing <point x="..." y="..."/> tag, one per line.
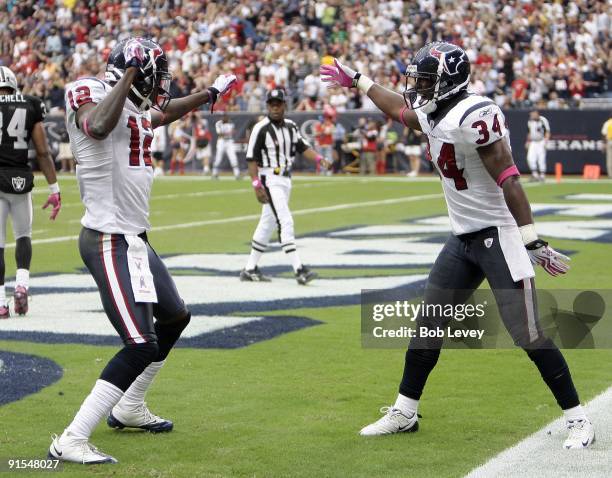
<point x="250" y="217"/>
<point x="542" y="454"/>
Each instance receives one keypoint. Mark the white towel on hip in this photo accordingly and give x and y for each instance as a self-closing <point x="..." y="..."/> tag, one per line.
<point x="140" y="272"/>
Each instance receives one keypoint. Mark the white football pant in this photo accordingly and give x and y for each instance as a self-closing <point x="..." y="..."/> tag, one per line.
<point x="536" y="156"/>
<point x="226" y="146"/>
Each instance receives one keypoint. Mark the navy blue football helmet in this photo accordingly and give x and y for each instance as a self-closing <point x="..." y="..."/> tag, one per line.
<point x="151" y="89"/>
<point x="441" y="70"/>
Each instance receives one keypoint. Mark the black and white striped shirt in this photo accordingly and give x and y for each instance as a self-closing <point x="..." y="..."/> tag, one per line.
<point x="275" y="146"/>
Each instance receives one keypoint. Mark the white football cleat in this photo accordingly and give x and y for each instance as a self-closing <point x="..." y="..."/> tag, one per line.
<point x="393" y="421"/>
<point x="581" y="435"/>
<point x="77" y="450"/>
<point x="140" y="417"/>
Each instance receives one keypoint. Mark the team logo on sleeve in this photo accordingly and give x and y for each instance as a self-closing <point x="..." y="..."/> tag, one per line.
<point x="18" y="183"/>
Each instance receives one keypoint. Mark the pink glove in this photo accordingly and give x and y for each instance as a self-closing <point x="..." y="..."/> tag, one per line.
<point x="54" y="200"/>
<point x="134" y="53"/>
<point x="338" y="75"/>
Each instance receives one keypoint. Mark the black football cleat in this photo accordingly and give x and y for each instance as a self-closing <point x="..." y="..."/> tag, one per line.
<point x="304" y="275"/>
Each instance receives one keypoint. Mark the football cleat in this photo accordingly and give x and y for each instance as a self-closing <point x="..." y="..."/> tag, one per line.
<point x="393" y="421"/>
<point x="21" y="300"/>
<point x="581" y="435"/>
<point x="4" y="312"/>
<point x="304" y="275"/>
<point x="140" y="417"/>
<point x="77" y="450"/>
<point x="253" y="275"/>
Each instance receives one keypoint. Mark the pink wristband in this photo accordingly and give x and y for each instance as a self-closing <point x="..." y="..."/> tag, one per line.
<point x="506" y="173"/>
<point x="401" y="115"/>
<point x="318" y="158"/>
<point x="256" y="183"/>
<point x="86" y="128"/>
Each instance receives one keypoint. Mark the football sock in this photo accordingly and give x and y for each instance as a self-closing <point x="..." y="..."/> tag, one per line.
<point x="134" y="396"/>
<point x="419" y="363"/>
<point x="575" y="413"/>
<point x="236" y="171"/>
<point x="168" y="333"/>
<point x="293" y="256"/>
<point x="22" y="278"/>
<point x="103" y="397"/>
<point x="2" y="295"/>
<point x="128" y="363"/>
<point x="253" y="259"/>
<point x="408" y="406"/>
<point x="23" y="253"/>
<point x="555" y="372"/>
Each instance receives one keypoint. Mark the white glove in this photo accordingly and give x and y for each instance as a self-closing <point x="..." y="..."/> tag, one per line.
<point x="552" y="261"/>
<point x="223" y="84"/>
<point x="134" y="53"/>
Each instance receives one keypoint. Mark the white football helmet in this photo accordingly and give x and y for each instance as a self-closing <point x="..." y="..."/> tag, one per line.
<point x="8" y="79"/>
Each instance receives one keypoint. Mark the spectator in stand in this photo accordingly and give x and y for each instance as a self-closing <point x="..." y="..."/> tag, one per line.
<point x="324" y="133"/>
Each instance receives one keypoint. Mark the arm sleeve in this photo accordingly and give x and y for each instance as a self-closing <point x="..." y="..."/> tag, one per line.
<point x="256" y="141"/>
<point x="300" y="143"/>
<point x="82" y="92"/>
<point x="483" y="126"/>
<point x="546" y="124"/>
<point x="39" y="110"/>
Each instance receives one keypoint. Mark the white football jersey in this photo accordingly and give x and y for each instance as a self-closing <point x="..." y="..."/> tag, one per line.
<point x="538" y="128"/>
<point x="473" y="198"/>
<point x="225" y="130"/>
<point x="114" y="174"/>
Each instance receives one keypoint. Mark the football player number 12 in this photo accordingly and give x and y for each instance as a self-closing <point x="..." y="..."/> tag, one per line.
<point x="135" y="132"/>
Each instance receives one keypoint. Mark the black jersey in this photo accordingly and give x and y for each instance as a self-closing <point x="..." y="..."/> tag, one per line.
<point x="18" y="115"/>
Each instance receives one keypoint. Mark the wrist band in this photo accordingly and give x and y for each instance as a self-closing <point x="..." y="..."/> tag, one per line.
<point x="54" y="188"/>
<point x="528" y="233"/>
<point x="318" y="158"/>
<point x="401" y="116"/>
<point x="86" y="128"/>
<point x="256" y="183"/>
<point x="506" y="173"/>
<point x="364" y="83"/>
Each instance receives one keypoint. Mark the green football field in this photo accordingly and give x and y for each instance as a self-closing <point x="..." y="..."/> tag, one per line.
<point x="293" y="404"/>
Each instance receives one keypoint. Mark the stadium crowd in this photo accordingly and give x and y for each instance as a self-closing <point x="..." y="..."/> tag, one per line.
<point x="524" y="53"/>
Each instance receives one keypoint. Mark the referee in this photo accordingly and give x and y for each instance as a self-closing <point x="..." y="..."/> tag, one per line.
<point x="273" y="144"/>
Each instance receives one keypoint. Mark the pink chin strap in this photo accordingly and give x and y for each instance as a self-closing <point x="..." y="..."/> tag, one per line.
<point x="506" y="173"/>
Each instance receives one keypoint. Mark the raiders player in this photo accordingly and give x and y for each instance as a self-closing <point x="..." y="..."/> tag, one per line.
<point x="493" y="235"/>
<point x="273" y="144"/>
<point x="537" y="136"/>
<point x="111" y="124"/>
<point x="21" y="120"/>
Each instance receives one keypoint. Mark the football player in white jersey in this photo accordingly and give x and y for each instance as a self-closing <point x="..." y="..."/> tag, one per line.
<point x="110" y="124"/>
<point x="225" y="145"/>
<point x="538" y="135"/>
<point x="493" y="234"/>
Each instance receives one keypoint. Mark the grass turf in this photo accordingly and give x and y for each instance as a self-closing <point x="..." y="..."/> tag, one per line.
<point x="292" y="406"/>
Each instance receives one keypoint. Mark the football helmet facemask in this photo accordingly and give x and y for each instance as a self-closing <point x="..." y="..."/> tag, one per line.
<point x="151" y="88"/>
<point x="440" y="70"/>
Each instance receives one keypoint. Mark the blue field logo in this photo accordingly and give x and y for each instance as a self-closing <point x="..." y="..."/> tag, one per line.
<point x="227" y="313"/>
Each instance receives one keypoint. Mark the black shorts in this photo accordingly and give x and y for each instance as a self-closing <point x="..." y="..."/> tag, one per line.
<point x="105" y="255"/>
<point x="464" y="262"/>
